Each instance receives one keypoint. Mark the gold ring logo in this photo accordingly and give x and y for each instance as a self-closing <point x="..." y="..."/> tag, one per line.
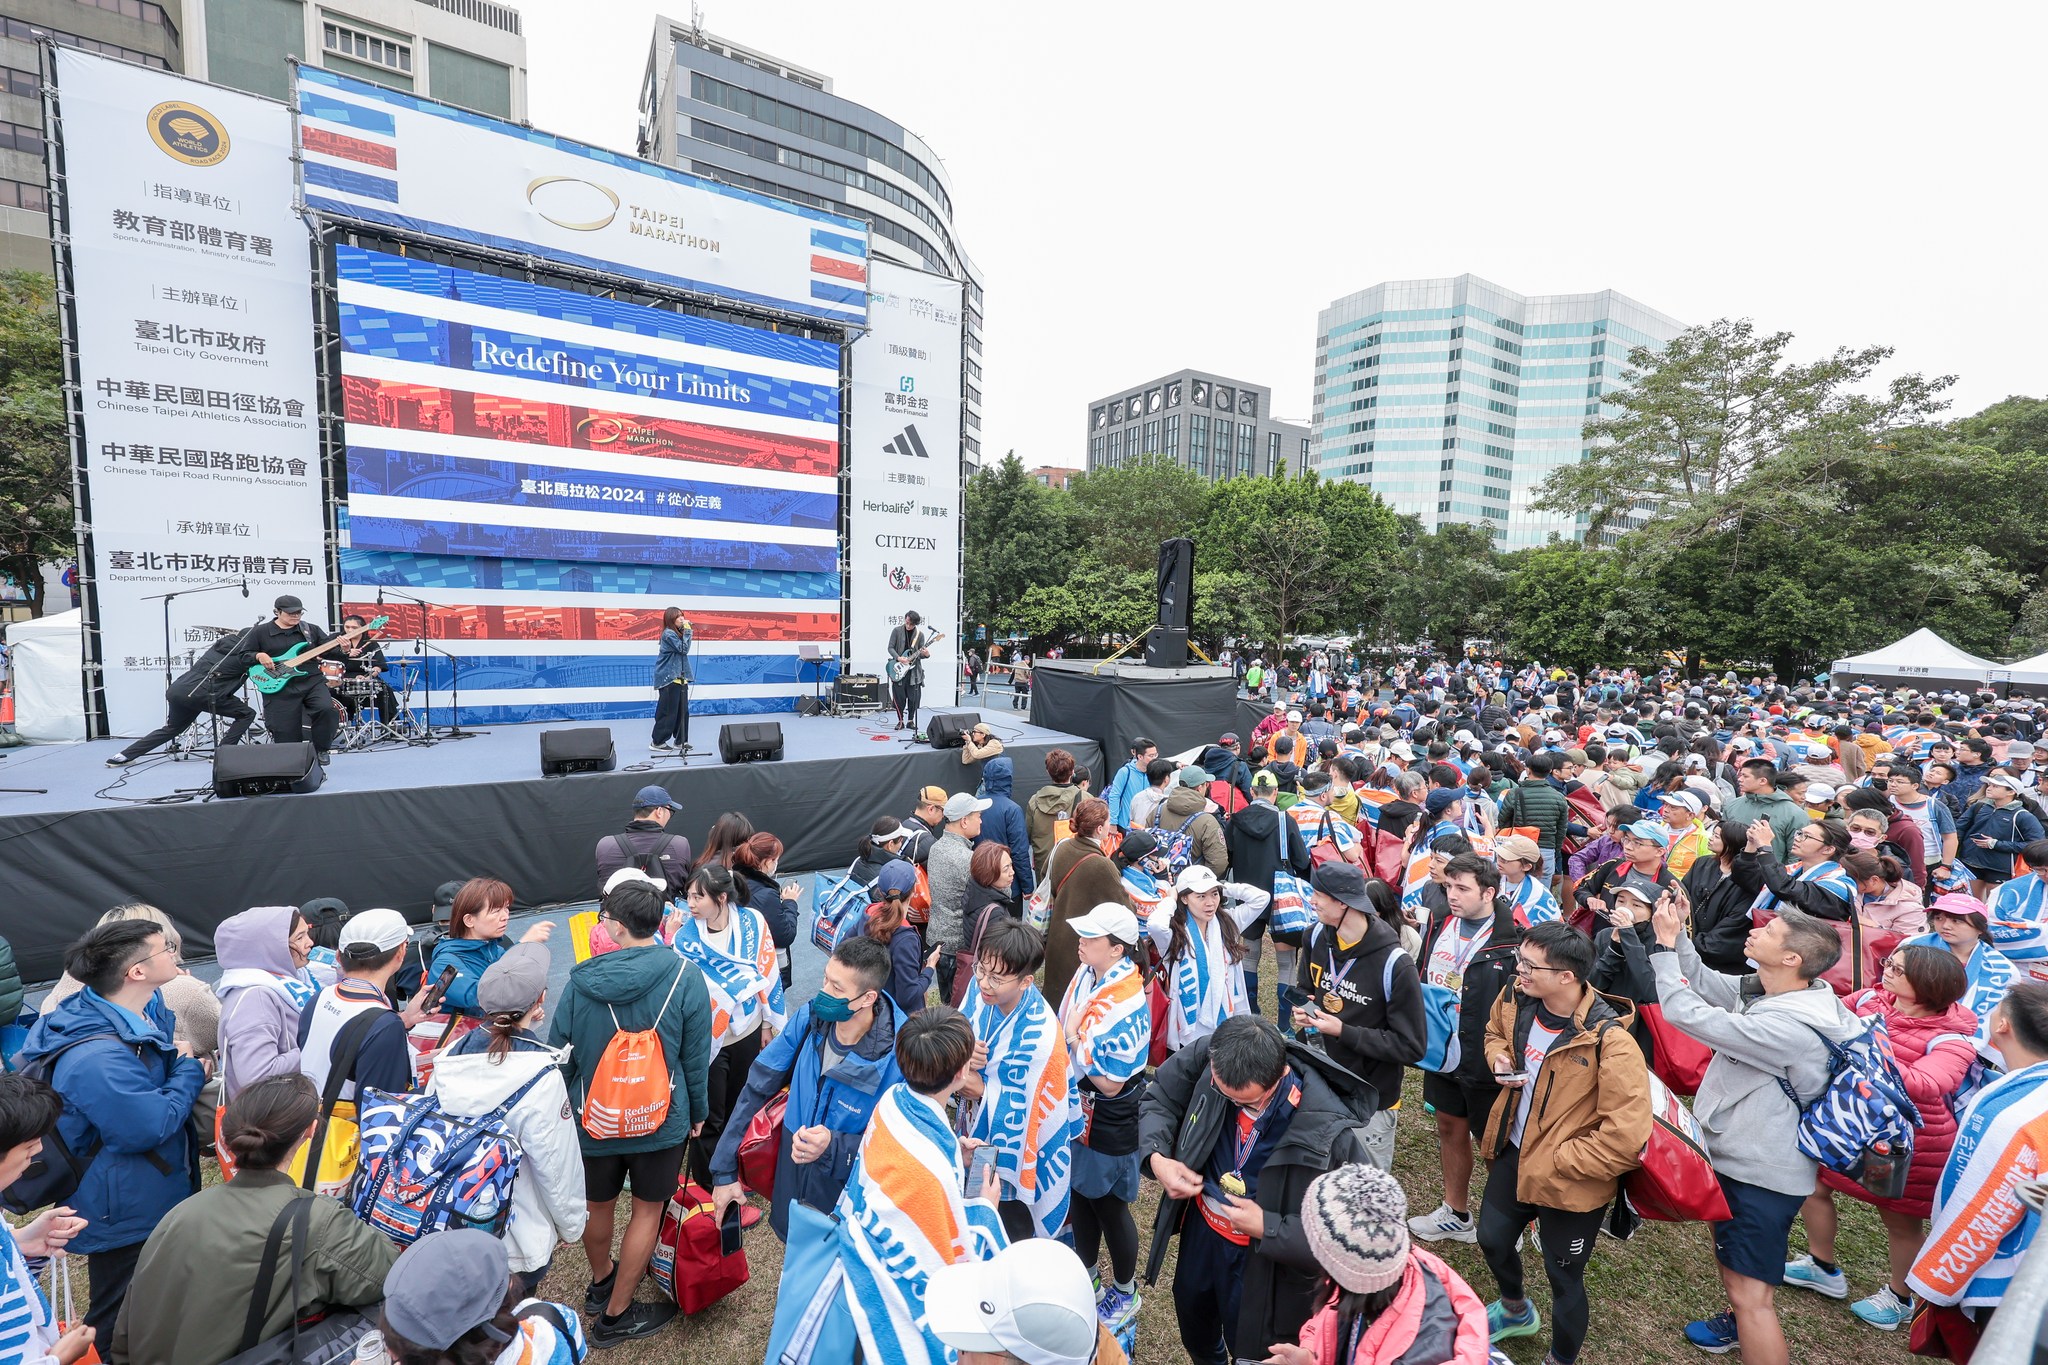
<point x="188" y="133"/>
<point x="592" y="225"/>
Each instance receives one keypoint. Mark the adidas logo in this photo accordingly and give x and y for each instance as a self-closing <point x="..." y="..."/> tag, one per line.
<point x="909" y="443"/>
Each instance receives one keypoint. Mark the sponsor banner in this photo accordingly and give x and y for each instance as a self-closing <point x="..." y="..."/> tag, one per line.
<point x="198" y="397"/>
<point x="587" y="463"/>
<point x="381" y="156"/>
<point x="903" y="541"/>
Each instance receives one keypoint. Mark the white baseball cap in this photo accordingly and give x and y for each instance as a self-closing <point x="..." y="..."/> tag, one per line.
<point x="380" y="929"/>
<point x="1032" y="1300"/>
<point x="1108" y="920"/>
<point x="1196" y="877"/>
<point x="631" y="874"/>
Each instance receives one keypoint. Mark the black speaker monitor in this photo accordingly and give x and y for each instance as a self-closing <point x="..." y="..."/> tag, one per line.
<point x="751" y="742"/>
<point x="588" y="750"/>
<point x="266" y="769"/>
<point x="948" y="729"/>
<point x="1167" y="645"/>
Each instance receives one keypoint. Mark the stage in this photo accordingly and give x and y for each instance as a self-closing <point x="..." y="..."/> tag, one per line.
<point x="390" y="825"/>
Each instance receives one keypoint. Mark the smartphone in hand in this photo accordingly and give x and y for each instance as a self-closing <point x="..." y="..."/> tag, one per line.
<point x="982" y="1160"/>
<point x="729" y="1232"/>
<point x="435" y="992"/>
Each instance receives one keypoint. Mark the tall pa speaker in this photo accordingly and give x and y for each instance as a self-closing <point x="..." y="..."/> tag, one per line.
<point x="949" y="729"/>
<point x="751" y="742"/>
<point x="266" y="769"/>
<point x="588" y="750"/>
<point x="1167" y="645"/>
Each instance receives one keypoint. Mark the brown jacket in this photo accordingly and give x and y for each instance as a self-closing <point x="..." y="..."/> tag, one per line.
<point x="1094" y="879"/>
<point x="1590" y="1115"/>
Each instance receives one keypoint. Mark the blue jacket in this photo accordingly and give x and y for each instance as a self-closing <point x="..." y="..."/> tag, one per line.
<point x="674" y="660"/>
<point x="471" y="958"/>
<point x="842" y="1100"/>
<point x="2010" y="829"/>
<point x="1003" y="822"/>
<point x="133" y="1093"/>
<point x="1128" y="782"/>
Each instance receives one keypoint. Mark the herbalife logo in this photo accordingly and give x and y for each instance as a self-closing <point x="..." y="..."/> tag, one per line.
<point x="909" y="443"/>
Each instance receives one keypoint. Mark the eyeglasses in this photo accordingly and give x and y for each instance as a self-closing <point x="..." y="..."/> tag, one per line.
<point x="1523" y="964"/>
<point x="1893" y="964"/>
<point x="171" y="948"/>
<point x="982" y="973"/>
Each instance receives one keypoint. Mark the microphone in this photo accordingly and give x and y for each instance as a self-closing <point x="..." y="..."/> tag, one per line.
<point x="245" y="587"/>
<point x="380" y="597"/>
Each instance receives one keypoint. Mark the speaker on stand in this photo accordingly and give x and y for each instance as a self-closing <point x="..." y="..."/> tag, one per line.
<point x="1167" y="645"/>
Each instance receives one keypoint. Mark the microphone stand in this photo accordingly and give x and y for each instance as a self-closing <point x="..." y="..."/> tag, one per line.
<point x="169" y="597"/>
<point x="454" y="731"/>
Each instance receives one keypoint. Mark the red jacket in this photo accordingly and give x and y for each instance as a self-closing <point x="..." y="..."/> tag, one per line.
<point x="1435" y="1319"/>
<point x="1933" y="1073"/>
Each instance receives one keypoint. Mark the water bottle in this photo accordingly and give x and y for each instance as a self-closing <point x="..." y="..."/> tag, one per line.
<point x="370" y="1349"/>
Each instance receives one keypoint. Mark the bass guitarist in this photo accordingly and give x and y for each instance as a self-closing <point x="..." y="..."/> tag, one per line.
<point x="908" y="649"/>
<point x="287" y="711"/>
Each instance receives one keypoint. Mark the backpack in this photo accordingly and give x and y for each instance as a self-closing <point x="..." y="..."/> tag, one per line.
<point x="56" y="1173"/>
<point x="1442" y="1047"/>
<point x="628" y="1091"/>
<point x="842" y="908"/>
<point x="1179" y="846"/>
<point x="424" y="1170"/>
<point x="1675" y="1181"/>
<point x="650" y="861"/>
<point x="1861" y="1125"/>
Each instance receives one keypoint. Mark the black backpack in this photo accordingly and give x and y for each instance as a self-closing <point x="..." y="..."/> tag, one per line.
<point x="57" y="1171"/>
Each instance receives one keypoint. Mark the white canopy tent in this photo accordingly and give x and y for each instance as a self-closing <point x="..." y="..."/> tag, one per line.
<point x="2027" y="675"/>
<point x="48" y="655"/>
<point x="1923" y="659"/>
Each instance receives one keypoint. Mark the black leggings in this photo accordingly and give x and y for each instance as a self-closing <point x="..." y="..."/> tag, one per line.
<point x="1106" y="1219"/>
<point x="722" y="1086"/>
<point x="1564" y="1240"/>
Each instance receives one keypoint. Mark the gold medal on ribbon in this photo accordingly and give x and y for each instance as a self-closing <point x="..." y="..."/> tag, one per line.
<point x="1233" y="1185"/>
<point x="1333" y="1003"/>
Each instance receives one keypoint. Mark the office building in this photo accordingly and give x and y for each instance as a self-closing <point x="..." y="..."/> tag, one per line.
<point x="139" y="31"/>
<point x="1217" y="427"/>
<point x="470" y="53"/>
<point x="1455" y="398"/>
<point x="740" y="116"/>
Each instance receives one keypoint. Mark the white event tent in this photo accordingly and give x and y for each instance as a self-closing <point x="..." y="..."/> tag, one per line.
<point x="1923" y="659"/>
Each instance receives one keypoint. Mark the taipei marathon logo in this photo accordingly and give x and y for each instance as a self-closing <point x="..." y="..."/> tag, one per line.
<point x="188" y="133"/>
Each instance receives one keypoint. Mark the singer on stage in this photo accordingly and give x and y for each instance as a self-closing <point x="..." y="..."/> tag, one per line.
<point x="672" y="685"/>
<point x="212" y="684"/>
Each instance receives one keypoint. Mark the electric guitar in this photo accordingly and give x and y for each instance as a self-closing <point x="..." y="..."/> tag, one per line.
<point x="905" y="662"/>
<point x="281" y="672"/>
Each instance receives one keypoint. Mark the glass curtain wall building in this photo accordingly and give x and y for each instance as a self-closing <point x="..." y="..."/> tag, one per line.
<point x="740" y="116"/>
<point x="1453" y="399"/>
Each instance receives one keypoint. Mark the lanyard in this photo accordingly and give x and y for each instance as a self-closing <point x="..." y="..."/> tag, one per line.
<point x="1471" y="950"/>
<point x="1243" y="1147"/>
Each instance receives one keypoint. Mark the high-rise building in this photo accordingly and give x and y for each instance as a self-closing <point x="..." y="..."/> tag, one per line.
<point x="1218" y="427"/>
<point x="717" y="109"/>
<point x="139" y="31"/>
<point x="470" y="53"/>
<point x="1455" y="398"/>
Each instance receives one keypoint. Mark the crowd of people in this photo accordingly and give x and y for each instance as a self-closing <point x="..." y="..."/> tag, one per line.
<point x="1562" y="899"/>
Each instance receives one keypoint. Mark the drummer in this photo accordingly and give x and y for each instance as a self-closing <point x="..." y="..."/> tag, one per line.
<point x="362" y="664"/>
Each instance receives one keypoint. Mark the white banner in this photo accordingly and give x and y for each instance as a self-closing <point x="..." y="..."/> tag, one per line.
<point x="381" y="156"/>
<point x="194" y="323"/>
<point x="903" y="539"/>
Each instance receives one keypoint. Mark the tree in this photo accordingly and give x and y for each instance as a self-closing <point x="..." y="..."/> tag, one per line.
<point x="1122" y="513"/>
<point x="2017" y="424"/>
<point x="1017" y="536"/>
<point x="1700" y="422"/>
<point x="1310" y="555"/>
<point x="35" y="459"/>
<point x="1446" y="585"/>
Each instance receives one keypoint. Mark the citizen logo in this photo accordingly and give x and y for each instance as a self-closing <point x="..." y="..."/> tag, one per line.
<point x="906" y="542"/>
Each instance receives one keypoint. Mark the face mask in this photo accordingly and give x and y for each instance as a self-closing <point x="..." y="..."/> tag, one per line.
<point x="830" y="1009"/>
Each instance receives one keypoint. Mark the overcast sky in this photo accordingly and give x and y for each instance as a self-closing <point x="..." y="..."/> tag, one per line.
<point x="1151" y="186"/>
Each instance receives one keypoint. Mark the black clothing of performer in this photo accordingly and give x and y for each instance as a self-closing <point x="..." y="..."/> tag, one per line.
<point x="367" y="662"/>
<point x="212" y="684"/>
<point x="908" y="641"/>
<point x="304" y="700"/>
